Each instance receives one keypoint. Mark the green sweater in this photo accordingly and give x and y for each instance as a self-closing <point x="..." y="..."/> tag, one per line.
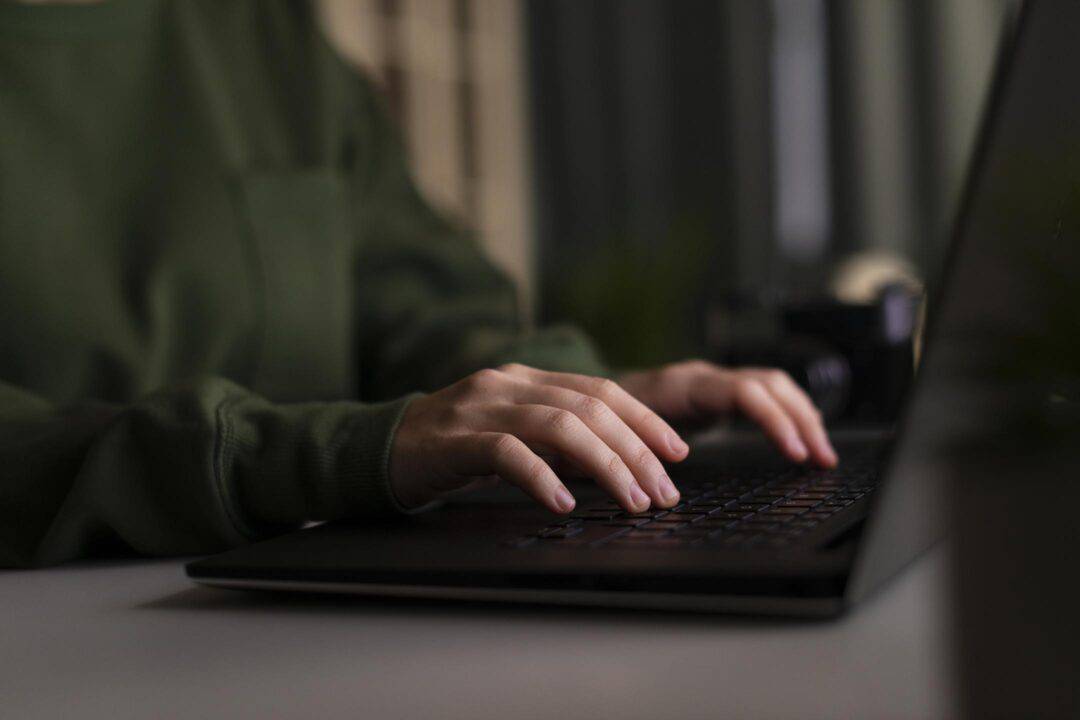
<point x="218" y="284"/>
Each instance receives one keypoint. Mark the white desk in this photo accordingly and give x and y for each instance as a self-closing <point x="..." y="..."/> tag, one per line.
<point x="139" y="641"/>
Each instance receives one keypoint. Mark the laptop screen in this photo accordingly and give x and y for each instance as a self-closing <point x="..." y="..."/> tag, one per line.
<point x="1001" y="374"/>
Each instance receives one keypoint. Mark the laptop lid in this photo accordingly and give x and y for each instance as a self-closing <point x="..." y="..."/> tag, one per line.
<point x="1002" y="368"/>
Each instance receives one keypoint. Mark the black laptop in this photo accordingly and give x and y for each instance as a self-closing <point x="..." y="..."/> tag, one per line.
<point x="752" y="534"/>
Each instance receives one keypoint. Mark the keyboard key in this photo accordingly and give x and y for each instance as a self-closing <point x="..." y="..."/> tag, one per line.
<point x="669" y="526"/>
<point x="683" y="517"/>
<point x="708" y="503"/>
<point x="721" y="518"/>
<point x="727" y="497"/>
<point x="596" y="514"/>
<point x="587" y="535"/>
<point x="785" y="511"/>
<point x="724" y="515"/>
<point x="817" y="516"/>
<point x="759" y="524"/>
<point x="648" y="531"/>
<point x="798" y="503"/>
<point x="812" y="495"/>
<point x="694" y="533"/>
<point x="769" y="496"/>
<point x="559" y="531"/>
<point x="671" y="541"/>
<point x="626" y="541"/>
<point x="766" y="517"/>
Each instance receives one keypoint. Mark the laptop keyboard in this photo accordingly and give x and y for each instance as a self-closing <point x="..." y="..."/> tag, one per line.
<point x="765" y="510"/>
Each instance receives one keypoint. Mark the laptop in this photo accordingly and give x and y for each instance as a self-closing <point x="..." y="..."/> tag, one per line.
<point x="752" y="534"/>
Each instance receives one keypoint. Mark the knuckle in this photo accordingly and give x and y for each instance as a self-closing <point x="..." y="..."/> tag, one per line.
<point x="607" y="388"/>
<point x="536" y="473"/>
<point x="644" y="456"/>
<point x="651" y="419"/>
<point x="484" y="380"/>
<point x="745" y="388"/>
<point x="512" y="368"/>
<point x="562" y="420"/>
<point x="593" y="408"/>
<point x="602" y="387"/>
<point x="503" y="446"/>
<point x="777" y="378"/>
<point x="614" y="465"/>
<point x="698" y="365"/>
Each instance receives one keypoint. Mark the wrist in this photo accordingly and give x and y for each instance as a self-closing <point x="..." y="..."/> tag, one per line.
<point x="403" y="477"/>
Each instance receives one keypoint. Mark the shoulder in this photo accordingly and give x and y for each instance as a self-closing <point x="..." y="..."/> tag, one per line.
<point x="244" y="19"/>
<point x="283" y="37"/>
<point x="272" y="59"/>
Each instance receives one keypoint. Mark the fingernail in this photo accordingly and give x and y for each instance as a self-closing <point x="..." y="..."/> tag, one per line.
<point x="677" y="445"/>
<point x="797" y="448"/>
<point x="638" y="497"/>
<point x="831" y="455"/>
<point x="668" y="490"/>
<point x="564" y="500"/>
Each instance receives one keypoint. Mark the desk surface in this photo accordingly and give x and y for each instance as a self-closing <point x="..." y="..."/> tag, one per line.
<point x="138" y="640"/>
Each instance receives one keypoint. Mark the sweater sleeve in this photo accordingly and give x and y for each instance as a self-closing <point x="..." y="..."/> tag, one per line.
<point x="432" y="308"/>
<point x="194" y="469"/>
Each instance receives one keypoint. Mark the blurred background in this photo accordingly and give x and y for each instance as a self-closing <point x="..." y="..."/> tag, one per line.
<point x="671" y="175"/>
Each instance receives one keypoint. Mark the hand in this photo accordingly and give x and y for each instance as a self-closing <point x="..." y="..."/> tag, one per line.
<point x="500" y="422"/>
<point x="697" y="389"/>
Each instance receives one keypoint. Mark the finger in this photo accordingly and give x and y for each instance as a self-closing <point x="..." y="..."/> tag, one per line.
<point x="613" y="431"/>
<point x="508" y="457"/>
<point x="802" y="411"/>
<point x="750" y="397"/>
<point x="648" y="426"/>
<point x="564" y="432"/>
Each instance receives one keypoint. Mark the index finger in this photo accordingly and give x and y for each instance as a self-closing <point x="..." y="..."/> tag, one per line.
<point x="805" y="415"/>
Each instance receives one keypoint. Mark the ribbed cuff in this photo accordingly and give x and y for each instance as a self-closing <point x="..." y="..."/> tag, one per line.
<point x="363" y="473"/>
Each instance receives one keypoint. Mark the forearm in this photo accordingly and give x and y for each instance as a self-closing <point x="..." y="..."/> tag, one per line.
<point x="189" y="470"/>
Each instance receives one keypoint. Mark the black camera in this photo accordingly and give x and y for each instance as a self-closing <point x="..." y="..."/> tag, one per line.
<point x="856" y="360"/>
